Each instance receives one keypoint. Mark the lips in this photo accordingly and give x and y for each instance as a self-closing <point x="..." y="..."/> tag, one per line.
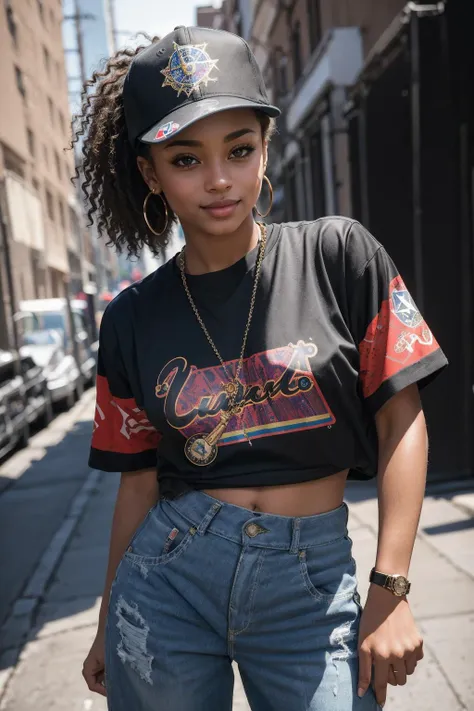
<point x="220" y="204"/>
<point x="222" y="209"/>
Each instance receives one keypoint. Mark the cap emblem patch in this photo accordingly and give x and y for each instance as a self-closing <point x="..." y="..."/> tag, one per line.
<point x="189" y="67"/>
<point x="166" y="130"/>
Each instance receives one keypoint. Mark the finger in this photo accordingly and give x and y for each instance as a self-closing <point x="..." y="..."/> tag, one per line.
<point x="381" y="667"/>
<point x="94" y="682"/>
<point x="365" y="671"/>
<point x="392" y="678"/>
<point x="419" y="652"/>
<point x="98" y="689"/>
<point x="410" y="664"/>
<point x="400" y="672"/>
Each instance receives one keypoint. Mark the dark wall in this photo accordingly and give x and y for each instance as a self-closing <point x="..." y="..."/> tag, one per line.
<point x="440" y="273"/>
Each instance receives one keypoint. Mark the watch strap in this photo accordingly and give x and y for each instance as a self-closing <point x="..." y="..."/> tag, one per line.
<point x="379" y="578"/>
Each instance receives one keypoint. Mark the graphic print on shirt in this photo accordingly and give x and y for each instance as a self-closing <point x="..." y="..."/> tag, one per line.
<point x="278" y="391"/>
<point x="396" y="338"/>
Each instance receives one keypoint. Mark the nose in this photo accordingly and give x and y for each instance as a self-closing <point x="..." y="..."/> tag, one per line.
<point x="218" y="178"/>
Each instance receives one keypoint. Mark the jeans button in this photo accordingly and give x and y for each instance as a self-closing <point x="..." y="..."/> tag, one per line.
<point x="252" y="530"/>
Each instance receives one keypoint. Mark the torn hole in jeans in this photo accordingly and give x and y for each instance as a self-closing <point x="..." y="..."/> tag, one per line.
<point x="341" y="649"/>
<point x="132" y="648"/>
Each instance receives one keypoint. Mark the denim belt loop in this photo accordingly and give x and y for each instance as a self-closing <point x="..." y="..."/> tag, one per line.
<point x="295" y="541"/>
<point x="205" y="523"/>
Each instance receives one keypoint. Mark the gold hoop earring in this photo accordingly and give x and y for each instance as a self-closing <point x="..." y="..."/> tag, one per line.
<point x="145" y="216"/>
<point x="270" y="187"/>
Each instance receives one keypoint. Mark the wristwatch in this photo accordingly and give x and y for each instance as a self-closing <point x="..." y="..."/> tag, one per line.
<point x="397" y="584"/>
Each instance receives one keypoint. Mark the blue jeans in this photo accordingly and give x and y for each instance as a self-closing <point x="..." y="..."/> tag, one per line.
<point x="204" y="583"/>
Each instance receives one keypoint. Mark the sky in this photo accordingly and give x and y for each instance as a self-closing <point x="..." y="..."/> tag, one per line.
<point x="156" y="17"/>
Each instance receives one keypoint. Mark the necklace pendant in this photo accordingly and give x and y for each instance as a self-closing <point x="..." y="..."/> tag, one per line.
<point x="201" y="449"/>
<point x="198" y="450"/>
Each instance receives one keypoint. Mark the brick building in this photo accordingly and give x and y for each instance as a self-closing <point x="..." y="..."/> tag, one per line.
<point x="37" y="201"/>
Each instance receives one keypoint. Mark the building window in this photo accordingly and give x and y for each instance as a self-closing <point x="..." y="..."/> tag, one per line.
<point x="12" y="27"/>
<point x="47" y="61"/>
<point x="31" y="141"/>
<point x="62" y="122"/>
<point x="13" y="162"/>
<point x="58" y="165"/>
<point x="36" y="185"/>
<point x="46" y="155"/>
<point x="281" y="74"/>
<point x="20" y="83"/>
<point x="296" y="50"/>
<point x="62" y="216"/>
<point x="40" y="9"/>
<point x="51" y="110"/>
<point x="49" y="205"/>
<point x="314" y="22"/>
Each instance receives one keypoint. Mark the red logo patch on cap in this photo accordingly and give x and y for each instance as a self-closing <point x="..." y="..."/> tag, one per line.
<point x="166" y="130"/>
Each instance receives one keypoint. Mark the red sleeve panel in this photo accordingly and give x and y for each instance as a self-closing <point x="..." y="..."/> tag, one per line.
<point x="123" y="439"/>
<point x="396" y="345"/>
<point x="398" y="337"/>
<point x="120" y="426"/>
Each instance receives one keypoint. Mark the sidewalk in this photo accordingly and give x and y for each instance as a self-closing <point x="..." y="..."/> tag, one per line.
<point x="48" y="675"/>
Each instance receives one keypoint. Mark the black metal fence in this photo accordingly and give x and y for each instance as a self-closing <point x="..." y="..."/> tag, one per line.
<point x="411" y="132"/>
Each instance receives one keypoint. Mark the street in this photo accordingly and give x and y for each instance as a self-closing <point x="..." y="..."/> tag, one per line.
<point x="55" y="515"/>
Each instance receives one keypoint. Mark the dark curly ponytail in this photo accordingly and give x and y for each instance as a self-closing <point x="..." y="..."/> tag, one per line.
<point x="111" y="181"/>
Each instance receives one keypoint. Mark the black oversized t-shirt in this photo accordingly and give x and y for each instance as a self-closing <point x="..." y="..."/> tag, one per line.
<point x="335" y="334"/>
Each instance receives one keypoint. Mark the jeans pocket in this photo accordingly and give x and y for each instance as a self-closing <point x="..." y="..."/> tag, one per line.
<point x="329" y="571"/>
<point x="159" y="539"/>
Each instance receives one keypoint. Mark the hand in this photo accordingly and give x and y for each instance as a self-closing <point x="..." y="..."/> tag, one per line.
<point x="93" y="669"/>
<point x="389" y="641"/>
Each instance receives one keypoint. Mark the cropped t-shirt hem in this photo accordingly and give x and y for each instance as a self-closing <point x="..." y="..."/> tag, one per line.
<point x="174" y="484"/>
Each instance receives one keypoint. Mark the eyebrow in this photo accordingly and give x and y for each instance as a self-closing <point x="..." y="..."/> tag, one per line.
<point x="191" y="143"/>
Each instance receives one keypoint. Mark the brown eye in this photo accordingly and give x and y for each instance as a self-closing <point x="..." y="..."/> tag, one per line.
<point x="242" y="151"/>
<point x="184" y="161"/>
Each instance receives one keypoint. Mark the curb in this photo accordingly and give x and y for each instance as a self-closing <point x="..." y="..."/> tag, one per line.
<point x="20" y="622"/>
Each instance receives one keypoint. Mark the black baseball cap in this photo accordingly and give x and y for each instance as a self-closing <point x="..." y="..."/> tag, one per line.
<point x="191" y="73"/>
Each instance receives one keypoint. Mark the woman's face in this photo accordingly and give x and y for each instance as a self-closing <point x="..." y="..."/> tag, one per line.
<point x="211" y="173"/>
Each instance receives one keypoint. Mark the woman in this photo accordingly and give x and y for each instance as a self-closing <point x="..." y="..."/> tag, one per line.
<point x="255" y="372"/>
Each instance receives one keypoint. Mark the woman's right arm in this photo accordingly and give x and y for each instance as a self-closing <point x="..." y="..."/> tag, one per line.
<point x="137" y="494"/>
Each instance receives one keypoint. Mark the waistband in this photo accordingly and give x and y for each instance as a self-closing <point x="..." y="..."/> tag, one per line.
<point x="262" y="530"/>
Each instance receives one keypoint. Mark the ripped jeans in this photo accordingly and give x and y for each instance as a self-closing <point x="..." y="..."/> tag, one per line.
<point x="204" y="583"/>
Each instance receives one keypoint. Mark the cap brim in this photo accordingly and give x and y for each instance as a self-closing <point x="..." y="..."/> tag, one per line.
<point x="186" y="115"/>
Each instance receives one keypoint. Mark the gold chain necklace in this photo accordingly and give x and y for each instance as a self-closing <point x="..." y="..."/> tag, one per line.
<point x="201" y="449"/>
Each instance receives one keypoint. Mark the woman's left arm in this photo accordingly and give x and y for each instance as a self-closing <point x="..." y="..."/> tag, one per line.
<point x="389" y="643"/>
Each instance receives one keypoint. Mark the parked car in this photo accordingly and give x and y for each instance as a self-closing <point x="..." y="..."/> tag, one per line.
<point x="63" y="376"/>
<point x="24" y="399"/>
<point x="54" y="314"/>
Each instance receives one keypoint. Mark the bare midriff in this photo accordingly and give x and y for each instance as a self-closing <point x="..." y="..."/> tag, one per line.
<point x="303" y="499"/>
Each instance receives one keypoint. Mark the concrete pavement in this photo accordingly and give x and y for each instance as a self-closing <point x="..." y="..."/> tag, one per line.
<point x="48" y="672"/>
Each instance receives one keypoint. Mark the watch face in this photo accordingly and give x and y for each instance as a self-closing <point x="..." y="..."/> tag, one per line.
<point x="400" y="585"/>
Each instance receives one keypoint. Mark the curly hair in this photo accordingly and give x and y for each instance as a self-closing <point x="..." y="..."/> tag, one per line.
<point x="111" y="181"/>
